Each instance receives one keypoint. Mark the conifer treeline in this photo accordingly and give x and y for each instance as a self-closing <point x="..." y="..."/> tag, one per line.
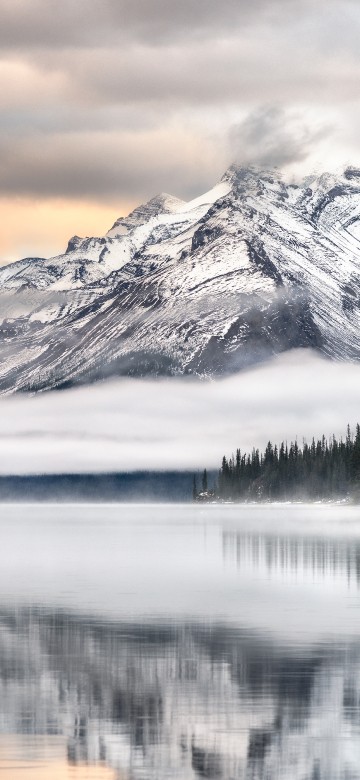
<point x="324" y="469"/>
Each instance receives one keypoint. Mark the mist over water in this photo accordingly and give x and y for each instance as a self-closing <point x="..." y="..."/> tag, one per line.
<point x="128" y="425"/>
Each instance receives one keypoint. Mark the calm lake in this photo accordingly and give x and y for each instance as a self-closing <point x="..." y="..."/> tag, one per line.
<point x="182" y="642"/>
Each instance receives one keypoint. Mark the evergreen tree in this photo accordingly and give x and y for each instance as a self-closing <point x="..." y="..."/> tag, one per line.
<point x="204" y="481"/>
<point x="328" y="468"/>
<point x="194" y="490"/>
<point x="355" y="460"/>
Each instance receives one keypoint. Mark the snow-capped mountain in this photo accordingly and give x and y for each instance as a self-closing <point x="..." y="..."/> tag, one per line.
<point x="254" y="267"/>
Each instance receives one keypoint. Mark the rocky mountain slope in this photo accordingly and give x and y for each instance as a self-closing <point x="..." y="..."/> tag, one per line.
<point x="252" y="268"/>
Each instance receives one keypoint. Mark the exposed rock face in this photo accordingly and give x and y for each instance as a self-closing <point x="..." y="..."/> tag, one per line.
<point x="252" y="268"/>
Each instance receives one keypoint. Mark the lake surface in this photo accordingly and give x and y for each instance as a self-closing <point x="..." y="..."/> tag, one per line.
<point x="183" y="642"/>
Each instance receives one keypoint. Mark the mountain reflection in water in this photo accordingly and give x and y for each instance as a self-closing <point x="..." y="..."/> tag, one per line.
<point x="180" y="696"/>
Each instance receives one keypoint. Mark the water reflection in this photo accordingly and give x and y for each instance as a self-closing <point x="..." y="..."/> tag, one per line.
<point x="292" y="555"/>
<point x="181" y="700"/>
<point x="50" y="762"/>
<point x="246" y="690"/>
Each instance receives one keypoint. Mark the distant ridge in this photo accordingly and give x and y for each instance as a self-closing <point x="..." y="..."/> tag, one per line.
<point x="138" y="486"/>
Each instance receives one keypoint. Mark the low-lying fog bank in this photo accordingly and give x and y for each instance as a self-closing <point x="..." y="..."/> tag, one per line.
<point x="129" y="425"/>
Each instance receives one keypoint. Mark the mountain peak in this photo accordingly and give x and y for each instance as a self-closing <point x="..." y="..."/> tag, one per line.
<point x="253" y="267"/>
<point x="163" y="203"/>
<point x="238" y="172"/>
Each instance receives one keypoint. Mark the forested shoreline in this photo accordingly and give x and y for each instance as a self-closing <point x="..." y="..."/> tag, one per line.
<point x="326" y="469"/>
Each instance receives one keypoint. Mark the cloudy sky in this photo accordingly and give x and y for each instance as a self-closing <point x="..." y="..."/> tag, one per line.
<point x="107" y="102"/>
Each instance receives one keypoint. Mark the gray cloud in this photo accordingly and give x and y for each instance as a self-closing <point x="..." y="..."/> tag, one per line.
<point x="177" y="424"/>
<point x="130" y="128"/>
<point x="135" y="162"/>
<point x="108" y="99"/>
<point x="105" y="165"/>
<point x="235" y="71"/>
<point x="269" y="137"/>
<point x="163" y="82"/>
<point x="47" y="23"/>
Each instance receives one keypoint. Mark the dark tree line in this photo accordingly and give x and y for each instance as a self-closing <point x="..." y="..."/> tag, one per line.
<point x="324" y="469"/>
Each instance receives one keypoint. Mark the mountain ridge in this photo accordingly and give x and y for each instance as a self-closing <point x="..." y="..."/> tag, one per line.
<point x="252" y="268"/>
